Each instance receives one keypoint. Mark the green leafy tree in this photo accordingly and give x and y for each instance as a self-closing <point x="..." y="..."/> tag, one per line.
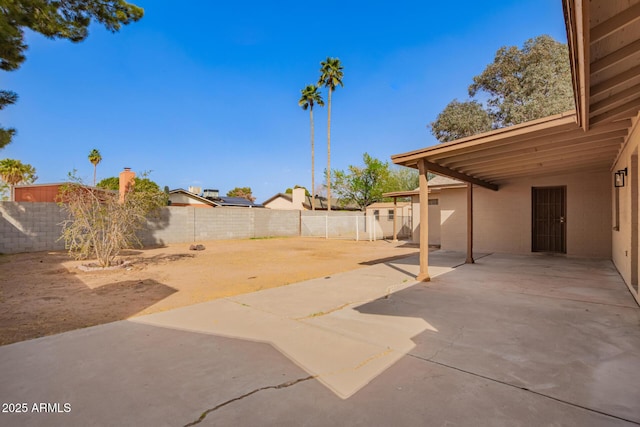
<point x="142" y="183"/>
<point x="244" y="192"/>
<point x="15" y="172"/>
<point x="519" y="85"/>
<point x="527" y="84"/>
<point x="95" y="158"/>
<point x="310" y="97"/>
<point x="461" y="119"/>
<point x="331" y="75"/>
<point x="6" y="98"/>
<point x="68" y="19"/>
<point x="401" y="179"/>
<point x="362" y="185"/>
<point x="99" y="225"/>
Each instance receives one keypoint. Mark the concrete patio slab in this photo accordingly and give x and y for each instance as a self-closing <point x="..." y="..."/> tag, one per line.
<point x="510" y="340"/>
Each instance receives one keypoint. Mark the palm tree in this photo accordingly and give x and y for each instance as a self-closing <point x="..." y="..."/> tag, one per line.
<point x="14" y="172"/>
<point x="311" y="97"/>
<point x="95" y="158"/>
<point x="330" y="77"/>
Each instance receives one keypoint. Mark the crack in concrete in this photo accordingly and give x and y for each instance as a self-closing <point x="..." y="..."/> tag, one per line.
<point x="453" y="341"/>
<point x="274" y="387"/>
<point x="526" y="389"/>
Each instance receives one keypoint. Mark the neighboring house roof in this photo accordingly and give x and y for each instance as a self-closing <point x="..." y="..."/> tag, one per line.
<point x="607" y="96"/>
<point x="319" y="201"/>
<point x="438" y="182"/>
<point x="45" y="192"/>
<point x="218" y="201"/>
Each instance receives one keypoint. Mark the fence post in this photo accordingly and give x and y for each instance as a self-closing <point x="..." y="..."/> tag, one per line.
<point x="326" y="226"/>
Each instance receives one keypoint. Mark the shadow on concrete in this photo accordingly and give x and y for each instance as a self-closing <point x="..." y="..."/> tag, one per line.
<point x="560" y="328"/>
<point x="39" y="297"/>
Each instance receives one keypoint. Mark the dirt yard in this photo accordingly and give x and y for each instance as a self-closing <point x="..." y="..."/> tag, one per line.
<point x="46" y="293"/>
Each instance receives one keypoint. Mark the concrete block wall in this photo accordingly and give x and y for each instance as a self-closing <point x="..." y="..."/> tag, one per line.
<point x="270" y="223"/>
<point x="30" y="227"/>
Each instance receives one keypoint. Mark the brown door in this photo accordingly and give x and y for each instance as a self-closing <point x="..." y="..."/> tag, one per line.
<point x="549" y="216"/>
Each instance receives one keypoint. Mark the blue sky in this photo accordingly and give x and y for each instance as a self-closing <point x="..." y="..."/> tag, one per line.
<point x="205" y="93"/>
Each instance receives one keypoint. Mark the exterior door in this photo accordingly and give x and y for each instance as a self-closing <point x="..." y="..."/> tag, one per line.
<point x="549" y="217"/>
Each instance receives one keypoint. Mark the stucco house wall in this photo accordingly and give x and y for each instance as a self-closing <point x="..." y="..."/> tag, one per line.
<point x="280" y="203"/>
<point x="624" y="212"/>
<point x="434" y="219"/>
<point x="385" y="221"/>
<point x="180" y="199"/>
<point x="502" y="219"/>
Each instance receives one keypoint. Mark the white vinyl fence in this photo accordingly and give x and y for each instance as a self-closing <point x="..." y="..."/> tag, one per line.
<point x="352" y="226"/>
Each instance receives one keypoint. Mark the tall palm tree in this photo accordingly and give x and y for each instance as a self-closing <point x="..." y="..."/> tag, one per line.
<point x="311" y="97"/>
<point x="95" y="158"/>
<point x="330" y="77"/>
<point x="14" y="172"/>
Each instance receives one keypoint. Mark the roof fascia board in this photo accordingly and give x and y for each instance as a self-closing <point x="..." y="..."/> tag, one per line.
<point x="553" y="123"/>
<point x="577" y="26"/>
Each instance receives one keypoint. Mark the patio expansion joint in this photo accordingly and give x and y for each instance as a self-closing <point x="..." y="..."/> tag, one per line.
<point x="236" y="399"/>
<point x="525" y="389"/>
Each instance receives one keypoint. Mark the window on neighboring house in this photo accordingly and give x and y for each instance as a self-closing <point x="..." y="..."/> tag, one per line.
<point x="433" y="201"/>
<point x="390" y="215"/>
<point x="376" y="214"/>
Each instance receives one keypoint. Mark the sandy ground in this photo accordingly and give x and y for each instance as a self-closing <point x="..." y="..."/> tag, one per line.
<point x="46" y="293"/>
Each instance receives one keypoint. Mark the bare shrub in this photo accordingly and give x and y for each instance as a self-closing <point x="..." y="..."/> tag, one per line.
<point x="99" y="226"/>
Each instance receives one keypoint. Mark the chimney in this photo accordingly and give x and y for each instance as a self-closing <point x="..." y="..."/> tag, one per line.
<point x="297" y="198"/>
<point x="127" y="177"/>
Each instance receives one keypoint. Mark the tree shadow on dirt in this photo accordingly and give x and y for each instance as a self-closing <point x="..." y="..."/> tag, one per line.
<point x="35" y="302"/>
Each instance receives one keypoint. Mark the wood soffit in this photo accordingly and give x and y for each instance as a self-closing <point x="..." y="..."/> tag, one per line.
<point x="604" y="46"/>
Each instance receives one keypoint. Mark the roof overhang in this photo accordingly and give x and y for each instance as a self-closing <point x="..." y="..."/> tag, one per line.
<point x="604" y="50"/>
<point x="551" y="145"/>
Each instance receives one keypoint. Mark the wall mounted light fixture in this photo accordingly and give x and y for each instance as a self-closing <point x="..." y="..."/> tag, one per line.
<point x="618" y="180"/>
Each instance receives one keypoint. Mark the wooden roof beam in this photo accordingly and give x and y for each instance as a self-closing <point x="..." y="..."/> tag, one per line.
<point x="615" y="23"/>
<point x="574" y="147"/>
<point x="434" y="167"/>
<point x="568" y="157"/>
<point x="624" y="111"/>
<point x="612" y="83"/>
<point x="549" y="125"/>
<point x="615" y="57"/>
<point x="610" y="101"/>
<point x="534" y="146"/>
<point x="551" y="169"/>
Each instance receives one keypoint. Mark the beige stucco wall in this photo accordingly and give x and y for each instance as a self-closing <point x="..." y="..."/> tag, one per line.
<point x="434" y="220"/>
<point x="384" y="225"/>
<point x="183" y="199"/>
<point x="280" y="203"/>
<point x="625" y="250"/>
<point x="502" y="219"/>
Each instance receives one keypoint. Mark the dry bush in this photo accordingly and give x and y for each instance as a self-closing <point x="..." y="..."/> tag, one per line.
<point x="99" y="226"/>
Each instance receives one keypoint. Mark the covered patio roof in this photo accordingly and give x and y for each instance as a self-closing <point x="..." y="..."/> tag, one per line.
<point x="541" y="147"/>
<point x="604" y="52"/>
<point x="604" y="49"/>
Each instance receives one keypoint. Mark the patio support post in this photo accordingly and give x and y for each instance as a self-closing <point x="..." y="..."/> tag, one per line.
<point x="469" y="259"/>
<point x="423" y="275"/>
<point x="395" y="214"/>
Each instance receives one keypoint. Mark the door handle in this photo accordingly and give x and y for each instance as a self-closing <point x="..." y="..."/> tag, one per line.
<point x="561" y="220"/>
